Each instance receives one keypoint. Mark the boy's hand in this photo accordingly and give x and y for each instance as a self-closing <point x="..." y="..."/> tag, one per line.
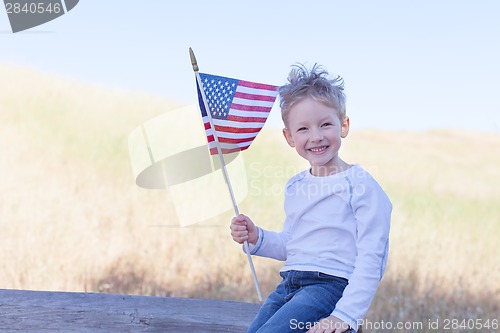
<point x="329" y="324"/>
<point x="243" y="229"/>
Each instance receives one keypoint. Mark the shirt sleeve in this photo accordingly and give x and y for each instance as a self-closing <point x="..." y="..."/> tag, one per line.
<point x="372" y="211"/>
<point x="270" y="244"/>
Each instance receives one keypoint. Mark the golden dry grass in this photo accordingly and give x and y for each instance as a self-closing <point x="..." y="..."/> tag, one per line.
<point x="72" y="219"/>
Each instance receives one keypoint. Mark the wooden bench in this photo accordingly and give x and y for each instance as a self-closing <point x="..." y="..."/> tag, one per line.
<point x="44" y="311"/>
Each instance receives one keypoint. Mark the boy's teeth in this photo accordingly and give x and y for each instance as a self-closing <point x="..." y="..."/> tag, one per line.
<point x="317" y="149"/>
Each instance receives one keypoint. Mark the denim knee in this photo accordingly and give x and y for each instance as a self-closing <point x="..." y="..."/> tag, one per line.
<point x="301" y="299"/>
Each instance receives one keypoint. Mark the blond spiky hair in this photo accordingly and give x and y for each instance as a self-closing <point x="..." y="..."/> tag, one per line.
<point x="313" y="83"/>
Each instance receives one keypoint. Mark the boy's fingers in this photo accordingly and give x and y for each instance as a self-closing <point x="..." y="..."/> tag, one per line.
<point x="239" y="225"/>
<point x="239" y="220"/>
<point x="235" y="226"/>
<point x="239" y="234"/>
<point x="239" y="228"/>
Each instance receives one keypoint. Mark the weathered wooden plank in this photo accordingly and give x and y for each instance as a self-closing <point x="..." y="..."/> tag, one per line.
<point x="43" y="311"/>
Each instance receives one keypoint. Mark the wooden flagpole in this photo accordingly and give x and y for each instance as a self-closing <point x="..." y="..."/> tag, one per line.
<point x="223" y="167"/>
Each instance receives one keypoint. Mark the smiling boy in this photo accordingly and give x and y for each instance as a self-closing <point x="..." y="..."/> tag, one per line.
<point x="315" y="130"/>
<point x="335" y="236"/>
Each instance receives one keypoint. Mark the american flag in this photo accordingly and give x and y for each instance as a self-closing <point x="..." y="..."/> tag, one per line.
<point x="238" y="108"/>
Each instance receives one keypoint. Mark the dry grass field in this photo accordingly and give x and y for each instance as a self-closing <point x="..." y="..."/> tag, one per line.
<point x="72" y="219"/>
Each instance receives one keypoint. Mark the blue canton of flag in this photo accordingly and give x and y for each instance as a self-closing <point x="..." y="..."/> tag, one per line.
<point x="219" y="96"/>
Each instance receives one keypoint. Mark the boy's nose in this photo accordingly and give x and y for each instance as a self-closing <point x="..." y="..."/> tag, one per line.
<point x="317" y="136"/>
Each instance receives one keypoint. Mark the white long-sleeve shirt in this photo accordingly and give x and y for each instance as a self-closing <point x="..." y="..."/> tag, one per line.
<point x="337" y="225"/>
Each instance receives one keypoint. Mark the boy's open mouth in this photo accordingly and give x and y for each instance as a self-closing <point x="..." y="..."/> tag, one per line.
<point x="318" y="149"/>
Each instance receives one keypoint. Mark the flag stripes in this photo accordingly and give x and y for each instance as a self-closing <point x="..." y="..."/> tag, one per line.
<point x="238" y="109"/>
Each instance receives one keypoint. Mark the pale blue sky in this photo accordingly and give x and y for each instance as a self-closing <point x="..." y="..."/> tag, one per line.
<point x="407" y="65"/>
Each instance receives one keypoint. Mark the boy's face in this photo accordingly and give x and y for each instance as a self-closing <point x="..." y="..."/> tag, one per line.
<point x="315" y="131"/>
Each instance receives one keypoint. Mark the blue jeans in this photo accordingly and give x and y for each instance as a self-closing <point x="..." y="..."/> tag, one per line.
<point x="300" y="300"/>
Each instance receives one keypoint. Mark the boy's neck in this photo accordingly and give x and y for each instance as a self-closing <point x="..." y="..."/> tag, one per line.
<point x="322" y="171"/>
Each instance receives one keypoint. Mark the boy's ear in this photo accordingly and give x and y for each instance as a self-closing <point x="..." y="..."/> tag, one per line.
<point x="345" y="127"/>
<point x="288" y="137"/>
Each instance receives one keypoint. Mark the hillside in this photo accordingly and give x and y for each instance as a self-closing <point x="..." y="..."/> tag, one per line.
<point x="71" y="217"/>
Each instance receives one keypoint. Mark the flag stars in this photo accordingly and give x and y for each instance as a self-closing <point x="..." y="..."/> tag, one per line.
<point x="219" y="93"/>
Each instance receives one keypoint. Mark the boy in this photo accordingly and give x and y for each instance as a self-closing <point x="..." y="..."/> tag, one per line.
<point x="336" y="232"/>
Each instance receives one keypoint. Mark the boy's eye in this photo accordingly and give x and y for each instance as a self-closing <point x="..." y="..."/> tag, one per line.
<point x="301" y="129"/>
<point x="326" y="125"/>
